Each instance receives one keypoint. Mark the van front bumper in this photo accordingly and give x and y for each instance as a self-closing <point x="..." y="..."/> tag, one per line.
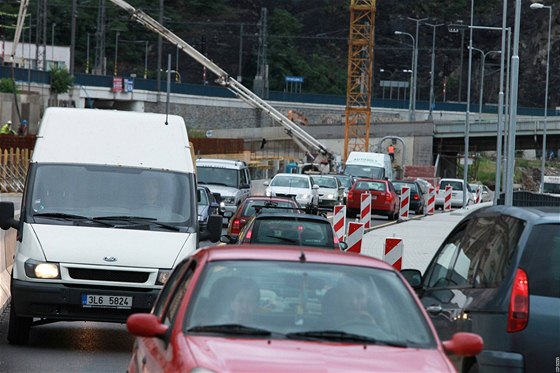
<point x="62" y="302"/>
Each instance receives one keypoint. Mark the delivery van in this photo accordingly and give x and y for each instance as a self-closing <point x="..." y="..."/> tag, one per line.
<point x="109" y="208"/>
<point x="369" y="165"/>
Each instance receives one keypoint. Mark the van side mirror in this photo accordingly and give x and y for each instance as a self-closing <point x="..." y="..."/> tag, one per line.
<point x="7" y="220"/>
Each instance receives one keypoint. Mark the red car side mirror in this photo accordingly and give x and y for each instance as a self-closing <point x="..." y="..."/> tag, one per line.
<point x="145" y="325"/>
<point x="464" y="344"/>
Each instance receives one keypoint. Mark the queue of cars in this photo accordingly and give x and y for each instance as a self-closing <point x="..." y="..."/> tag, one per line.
<point x="281" y="285"/>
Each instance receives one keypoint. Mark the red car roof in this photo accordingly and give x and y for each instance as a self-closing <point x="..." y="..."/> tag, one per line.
<point x="290" y="253"/>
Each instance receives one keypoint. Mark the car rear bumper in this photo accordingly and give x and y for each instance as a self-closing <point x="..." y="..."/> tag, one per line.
<point x="61" y="302"/>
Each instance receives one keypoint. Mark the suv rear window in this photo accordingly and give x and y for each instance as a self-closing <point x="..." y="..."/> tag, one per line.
<point x="542" y="258"/>
<point x="456" y="185"/>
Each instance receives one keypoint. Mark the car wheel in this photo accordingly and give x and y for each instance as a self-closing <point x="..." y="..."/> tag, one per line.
<point x="19" y="327"/>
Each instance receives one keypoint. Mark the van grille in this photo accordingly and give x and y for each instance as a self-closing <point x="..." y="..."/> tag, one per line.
<point x="286" y="195"/>
<point x="107" y="275"/>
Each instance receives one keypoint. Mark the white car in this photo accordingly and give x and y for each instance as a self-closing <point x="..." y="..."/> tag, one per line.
<point x="331" y="191"/>
<point x="296" y="186"/>
<point x="458" y="188"/>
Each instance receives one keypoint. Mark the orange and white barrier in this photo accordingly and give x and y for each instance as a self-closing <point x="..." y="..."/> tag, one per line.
<point x="365" y="209"/>
<point x="447" y="198"/>
<point x="393" y="252"/>
<point x="339" y="221"/>
<point x="478" y="197"/>
<point x="430" y="209"/>
<point x="405" y="202"/>
<point x="354" y="237"/>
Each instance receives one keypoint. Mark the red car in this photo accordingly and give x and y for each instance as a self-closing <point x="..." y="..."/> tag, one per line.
<point x="249" y="207"/>
<point x="276" y="309"/>
<point x="384" y="198"/>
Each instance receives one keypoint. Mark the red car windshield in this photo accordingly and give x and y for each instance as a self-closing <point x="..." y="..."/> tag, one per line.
<point x="298" y="299"/>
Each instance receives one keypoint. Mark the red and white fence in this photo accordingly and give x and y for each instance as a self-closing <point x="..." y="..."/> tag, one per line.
<point x="365" y="209"/>
<point x="447" y="198"/>
<point x="393" y="252"/>
<point x="405" y="202"/>
<point x="339" y="221"/>
<point x="431" y="204"/>
<point x="354" y="237"/>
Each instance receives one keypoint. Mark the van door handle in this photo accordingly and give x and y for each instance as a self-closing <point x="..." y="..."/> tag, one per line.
<point x="434" y="310"/>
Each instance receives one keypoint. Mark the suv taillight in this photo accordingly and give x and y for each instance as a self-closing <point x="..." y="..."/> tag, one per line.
<point x="518" y="315"/>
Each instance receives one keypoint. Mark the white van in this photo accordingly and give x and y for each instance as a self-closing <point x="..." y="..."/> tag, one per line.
<point x="551" y="185"/>
<point x="109" y="208"/>
<point x="370" y="165"/>
<point x="229" y="178"/>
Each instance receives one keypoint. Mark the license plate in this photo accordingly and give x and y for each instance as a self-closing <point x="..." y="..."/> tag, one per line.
<point x="106" y="301"/>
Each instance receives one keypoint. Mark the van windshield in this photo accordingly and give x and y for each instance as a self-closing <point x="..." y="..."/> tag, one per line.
<point x="371" y="172"/>
<point x="218" y="176"/>
<point x="108" y="191"/>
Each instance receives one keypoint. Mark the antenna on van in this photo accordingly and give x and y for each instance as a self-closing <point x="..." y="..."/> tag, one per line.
<point x="168" y="87"/>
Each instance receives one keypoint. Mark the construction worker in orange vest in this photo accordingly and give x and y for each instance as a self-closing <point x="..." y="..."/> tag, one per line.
<point x="391" y="151"/>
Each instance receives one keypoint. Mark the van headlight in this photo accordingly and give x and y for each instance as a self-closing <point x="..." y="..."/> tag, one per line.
<point x="304" y="196"/>
<point x="37" y="269"/>
<point x="162" y="276"/>
<point x="228" y="200"/>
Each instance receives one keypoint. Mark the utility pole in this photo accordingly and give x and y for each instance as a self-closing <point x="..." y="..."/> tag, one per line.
<point x="158" y="70"/>
<point x="260" y="84"/>
<point x="100" y="40"/>
<point x="432" y="71"/>
<point x="415" y="72"/>
<point x="73" y="36"/>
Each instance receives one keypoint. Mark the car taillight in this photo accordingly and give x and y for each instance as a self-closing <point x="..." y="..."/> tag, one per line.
<point x="388" y="197"/>
<point x="518" y="315"/>
<point x="415" y="197"/>
<point x="248" y="236"/>
<point x="236" y="226"/>
<point x="350" y="196"/>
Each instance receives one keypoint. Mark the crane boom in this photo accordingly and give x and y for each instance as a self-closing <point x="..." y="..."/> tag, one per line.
<point x="19" y="27"/>
<point x="300" y="137"/>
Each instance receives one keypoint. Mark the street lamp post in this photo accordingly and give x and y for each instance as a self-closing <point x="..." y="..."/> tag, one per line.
<point x="146" y="62"/>
<point x="87" y="54"/>
<point x="432" y="72"/>
<point x="410" y="105"/>
<point x="483" y="60"/>
<point x="543" y="157"/>
<point x="467" y="114"/>
<point x="116" y="53"/>
<point x="415" y="69"/>
<point x="52" y="42"/>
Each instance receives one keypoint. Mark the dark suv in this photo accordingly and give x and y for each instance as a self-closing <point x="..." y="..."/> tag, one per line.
<point x="497" y="274"/>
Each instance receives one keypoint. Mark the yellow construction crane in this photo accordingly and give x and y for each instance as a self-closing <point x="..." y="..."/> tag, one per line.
<point x="360" y="76"/>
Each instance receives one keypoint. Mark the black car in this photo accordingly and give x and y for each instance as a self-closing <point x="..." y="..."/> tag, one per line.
<point x="417" y="197"/>
<point x="207" y="205"/>
<point x="288" y="229"/>
<point x="497" y="274"/>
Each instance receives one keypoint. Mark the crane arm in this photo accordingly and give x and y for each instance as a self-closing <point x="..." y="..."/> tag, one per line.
<point x="298" y="135"/>
<point x="19" y="27"/>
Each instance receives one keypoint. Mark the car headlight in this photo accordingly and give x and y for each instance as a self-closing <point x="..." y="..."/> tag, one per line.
<point x="268" y="193"/>
<point x="37" y="269"/>
<point x="162" y="276"/>
<point x="304" y="196"/>
<point x="330" y="196"/>
<point x="200" y="218"/>
<point x="229" y="200"/>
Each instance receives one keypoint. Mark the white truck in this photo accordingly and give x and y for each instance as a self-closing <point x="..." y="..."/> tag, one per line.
<point x="369" y="165"/>
<point x="109" y="208"/>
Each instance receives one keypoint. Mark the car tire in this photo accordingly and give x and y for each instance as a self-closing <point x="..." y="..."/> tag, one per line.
<point x="19" y="327"/>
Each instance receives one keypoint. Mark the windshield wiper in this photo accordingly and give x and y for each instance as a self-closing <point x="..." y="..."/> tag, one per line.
<point x="237" y="329"/>
<point x="336" y="335"/>
<point x="138" y="220"/>
<point x="61" y="215"/>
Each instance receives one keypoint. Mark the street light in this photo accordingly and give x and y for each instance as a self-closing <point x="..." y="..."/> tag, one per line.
<point x="410" y="106"/>
<point x="415" y="69"/>
<point x="483" y="59"/>
<point x="543" y="157"/>
<point x="52" y="42"/>
<point x="467" y="114"/>
<point x="87" y="54"/>
<point x="116" y="53"/>
<point x="432" y="100"/>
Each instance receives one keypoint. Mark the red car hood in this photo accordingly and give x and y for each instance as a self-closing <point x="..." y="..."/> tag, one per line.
<point x="262" y="355"/>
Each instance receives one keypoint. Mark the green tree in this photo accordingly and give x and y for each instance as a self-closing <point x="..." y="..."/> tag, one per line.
<point x="7" y="85"/>
<point x="61" y="81"/>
